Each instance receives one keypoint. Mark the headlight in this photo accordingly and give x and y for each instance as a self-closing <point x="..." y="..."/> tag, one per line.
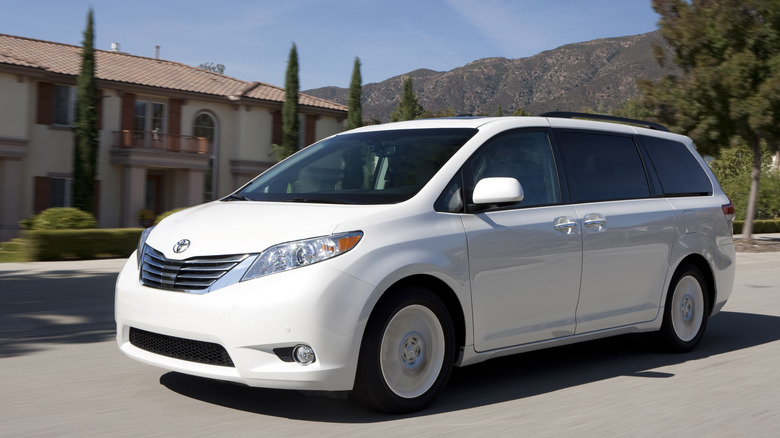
<point x="301" y="253"/>
<point x="139" y="251"/>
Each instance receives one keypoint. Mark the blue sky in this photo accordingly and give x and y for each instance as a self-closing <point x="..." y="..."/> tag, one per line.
<point x="391" y="37"/>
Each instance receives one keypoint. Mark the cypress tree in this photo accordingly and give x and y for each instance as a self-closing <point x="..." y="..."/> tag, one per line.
<point x="355" y="111"/>
<point x="290" y="123"/>
<point x="409" y="108"/>
<point x="86" y="125"/>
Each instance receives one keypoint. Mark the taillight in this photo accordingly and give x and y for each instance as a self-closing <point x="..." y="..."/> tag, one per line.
<point x="728" y="211"/>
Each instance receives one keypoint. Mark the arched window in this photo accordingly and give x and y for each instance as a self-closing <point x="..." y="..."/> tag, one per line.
<point x="205" y="126"/>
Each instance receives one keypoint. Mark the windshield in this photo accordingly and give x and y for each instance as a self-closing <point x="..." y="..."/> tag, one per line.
<point x="382" y="167"/>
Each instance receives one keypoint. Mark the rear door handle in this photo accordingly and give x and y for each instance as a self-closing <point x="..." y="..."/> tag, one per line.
<point x="595" y="221"/>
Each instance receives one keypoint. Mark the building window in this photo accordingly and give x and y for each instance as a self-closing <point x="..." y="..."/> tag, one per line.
<point x="64" y="105"/>
<point x="149" y="116"/>
<point x="205" y="127"/>
<point x="59" y="192"/>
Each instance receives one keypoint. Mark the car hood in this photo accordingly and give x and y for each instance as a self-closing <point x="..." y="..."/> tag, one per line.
<point x="240" y="227"/>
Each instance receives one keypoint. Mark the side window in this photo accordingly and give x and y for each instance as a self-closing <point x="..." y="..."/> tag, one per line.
<point x="603" y="167"/>
<point x="679" y="172"/>
<point x="524" y="155"/>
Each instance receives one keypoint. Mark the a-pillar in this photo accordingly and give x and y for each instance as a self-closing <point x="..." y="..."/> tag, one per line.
<point x="133" y="194"/>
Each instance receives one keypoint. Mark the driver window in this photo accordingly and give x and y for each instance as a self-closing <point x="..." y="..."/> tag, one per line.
<point x="525" y="156"/>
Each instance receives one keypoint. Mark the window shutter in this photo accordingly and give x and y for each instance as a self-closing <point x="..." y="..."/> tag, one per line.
<point x="311" y="129"/>
<point x="276" y="130"/>
<point x="45" y="109"/>
<point x="128" y="111"/>
<point x="42" y="193"/>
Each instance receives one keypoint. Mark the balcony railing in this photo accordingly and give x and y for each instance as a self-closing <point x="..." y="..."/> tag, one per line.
<point x="130" y="139"/>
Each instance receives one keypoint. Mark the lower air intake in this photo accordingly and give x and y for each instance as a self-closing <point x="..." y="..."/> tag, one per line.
<point x="179" y="348"/>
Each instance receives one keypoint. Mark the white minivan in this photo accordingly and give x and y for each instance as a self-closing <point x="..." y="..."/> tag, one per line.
<point x="376" y="259"/>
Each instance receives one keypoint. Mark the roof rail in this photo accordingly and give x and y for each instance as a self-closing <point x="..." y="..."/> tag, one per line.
<point x="574" y="115"/>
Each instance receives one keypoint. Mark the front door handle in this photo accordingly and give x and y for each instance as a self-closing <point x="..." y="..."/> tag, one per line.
<point x="565" y="225"/>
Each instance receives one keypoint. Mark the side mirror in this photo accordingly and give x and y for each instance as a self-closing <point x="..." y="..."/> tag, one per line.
<point x="498" y="191"/>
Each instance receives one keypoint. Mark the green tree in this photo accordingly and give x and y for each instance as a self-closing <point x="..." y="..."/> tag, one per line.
<point x="85" y="135"/>
<point x="409" y="108"/>
<point x="500" y="111"/>
<point x="290" y="123"/>
<point x="733" y="168"/>
<point x="210" y="66"/>
<point x="521" y="112"/>
<point x="728" y="83"/>
<point x="354" y="109"/>
<point x="633" y="109"/>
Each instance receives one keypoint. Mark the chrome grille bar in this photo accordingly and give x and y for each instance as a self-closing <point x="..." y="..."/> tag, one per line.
<point x="195" y="274"/>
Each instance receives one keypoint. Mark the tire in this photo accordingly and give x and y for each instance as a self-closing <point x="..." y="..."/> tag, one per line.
<point x="686" y="312"/>
<point x="407" y="352"/>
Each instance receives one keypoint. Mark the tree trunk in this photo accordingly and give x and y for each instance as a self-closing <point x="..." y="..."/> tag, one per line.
<point x="755" y="175"/>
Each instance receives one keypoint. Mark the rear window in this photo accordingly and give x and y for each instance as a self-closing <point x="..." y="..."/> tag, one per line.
<point x="679" y="172"/>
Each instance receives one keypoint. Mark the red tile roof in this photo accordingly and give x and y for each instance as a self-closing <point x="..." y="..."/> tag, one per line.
<point x="159" y="73"/>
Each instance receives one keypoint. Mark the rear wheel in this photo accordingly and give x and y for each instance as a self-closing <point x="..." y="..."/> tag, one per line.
<point x="686" y="311"/>
<point x="407" y="352"/>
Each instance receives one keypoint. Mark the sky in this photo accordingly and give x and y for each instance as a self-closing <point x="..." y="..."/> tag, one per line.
<point x="253" y="38"/>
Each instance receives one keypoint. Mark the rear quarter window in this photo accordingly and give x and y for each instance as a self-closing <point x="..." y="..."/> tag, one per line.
<point x="679" y="173"/>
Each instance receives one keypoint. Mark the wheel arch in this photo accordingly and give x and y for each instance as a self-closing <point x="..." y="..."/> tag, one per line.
<point x="701" y="263"/>
<point x="443" y="292"/>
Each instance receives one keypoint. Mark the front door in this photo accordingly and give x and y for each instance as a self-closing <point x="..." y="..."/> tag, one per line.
<point x="524" y="259"/>
<point x="525" y="275"/>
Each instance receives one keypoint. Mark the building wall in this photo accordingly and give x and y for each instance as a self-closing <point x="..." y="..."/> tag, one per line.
<point x="15" y="108"/>
<point x="30" y="150"/>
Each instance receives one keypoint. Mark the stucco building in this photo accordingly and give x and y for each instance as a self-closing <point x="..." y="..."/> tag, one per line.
<point x="171" y="135"/>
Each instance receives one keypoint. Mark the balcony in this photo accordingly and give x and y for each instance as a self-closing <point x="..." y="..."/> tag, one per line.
<point x="160" y="150"/>
<point x="130" y="139"/>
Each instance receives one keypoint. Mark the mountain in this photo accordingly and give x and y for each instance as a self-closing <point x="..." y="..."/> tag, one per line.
<point x="598" y="74"/>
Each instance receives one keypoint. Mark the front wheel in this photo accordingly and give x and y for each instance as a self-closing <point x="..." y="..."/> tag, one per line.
<point x="407" y="352"/>
<point x="687" y="310"/>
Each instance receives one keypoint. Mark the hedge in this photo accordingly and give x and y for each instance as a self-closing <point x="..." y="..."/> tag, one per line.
<point x="759" y="226"/>
<point x="82" y="244"/>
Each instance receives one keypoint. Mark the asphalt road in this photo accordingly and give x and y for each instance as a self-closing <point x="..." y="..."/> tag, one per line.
<point x="62" y="375"/>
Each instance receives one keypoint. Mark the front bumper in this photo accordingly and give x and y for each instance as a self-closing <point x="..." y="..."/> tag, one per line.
<point x="316" y="306"/>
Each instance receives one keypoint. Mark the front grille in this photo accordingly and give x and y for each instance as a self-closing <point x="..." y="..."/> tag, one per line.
<point x="179" y="348"/>
<point x="194" y="274"/>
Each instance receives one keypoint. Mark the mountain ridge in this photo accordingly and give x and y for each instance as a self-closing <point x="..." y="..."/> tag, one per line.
<point x="595" y="74"/>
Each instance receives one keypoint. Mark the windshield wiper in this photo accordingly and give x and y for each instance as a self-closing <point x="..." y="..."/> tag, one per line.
<point x="236" y="197"/>
<point x="315" y="200"/>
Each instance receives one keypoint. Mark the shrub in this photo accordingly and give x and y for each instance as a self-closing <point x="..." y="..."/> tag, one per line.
<point x="759" y="226"/>
<point x="61" y="218"/>
<point x="82" y="244"/>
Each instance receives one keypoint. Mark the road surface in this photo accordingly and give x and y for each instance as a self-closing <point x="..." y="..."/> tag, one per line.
<point x="62" y="375"/>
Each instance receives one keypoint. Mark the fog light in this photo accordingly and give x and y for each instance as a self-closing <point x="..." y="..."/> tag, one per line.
<point x="304" y="355"/>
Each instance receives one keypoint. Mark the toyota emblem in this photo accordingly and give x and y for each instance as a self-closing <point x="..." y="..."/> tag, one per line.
<point x="181" y="246"/>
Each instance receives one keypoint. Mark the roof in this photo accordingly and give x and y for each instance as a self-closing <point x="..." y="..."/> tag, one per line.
<point x="119" y="67"/>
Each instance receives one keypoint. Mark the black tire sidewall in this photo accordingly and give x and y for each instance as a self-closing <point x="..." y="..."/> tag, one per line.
<point x="370" y="386"/>
<point x="669" y="337"/>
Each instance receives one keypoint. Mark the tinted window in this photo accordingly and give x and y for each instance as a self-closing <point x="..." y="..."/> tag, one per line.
<point x="679" y="171"/>
<point x="522" y="155"/>
<point x="603" y="167"/>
